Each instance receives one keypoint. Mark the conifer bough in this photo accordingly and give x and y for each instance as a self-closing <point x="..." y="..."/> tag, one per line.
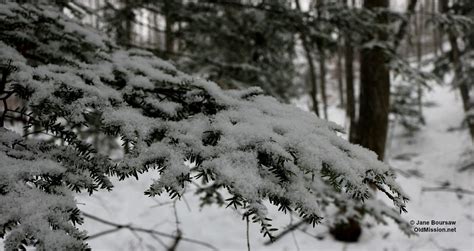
<point x="71" y="79"/>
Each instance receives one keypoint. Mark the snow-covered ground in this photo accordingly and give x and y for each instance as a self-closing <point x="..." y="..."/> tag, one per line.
<point x="430" y="158"/>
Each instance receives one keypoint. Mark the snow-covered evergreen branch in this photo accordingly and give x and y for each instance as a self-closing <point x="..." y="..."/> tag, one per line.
<point x="70" y="79"/>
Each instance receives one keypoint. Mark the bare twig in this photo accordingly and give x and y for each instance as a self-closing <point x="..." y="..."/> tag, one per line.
<point x="289" y="229"/>
<point x="179" y="233"/>
<point x="139" y="229"/>
<point x="447" y="189"/>
<point x="162" y="243"/>
<point x="293" y="234"/>
<point x="248" y="233"/>
<point x="160" y="204"/>
<point x="466" y="167"/>
<point x="186" y="203"/>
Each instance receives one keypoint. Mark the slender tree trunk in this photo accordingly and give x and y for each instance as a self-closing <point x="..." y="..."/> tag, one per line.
<point x="349" y="231"/>
<point x="434" y="31"/>
<point x="349" y="72"/>
<point x="312" y="77"/>
<point x="169" y="36"/>
<point x="322" y="67"/>
<point x="419" y="33"/>
<point x="419" y="53"/>
<point x="350" y="96"/>
<point x="130" y="17"/>
<point x="441" y="4"/>
<point x="156" y="35"/>
<point x="150" y="31"/>
<point x="322" y="80"/>
<point x="463" y="88"/>
<point x="339" y="72"/>
<point x="97" y="5"/>
<point x="91" y="17"/>
<point x="125" y="30"/>
<point x="312" y="69"/>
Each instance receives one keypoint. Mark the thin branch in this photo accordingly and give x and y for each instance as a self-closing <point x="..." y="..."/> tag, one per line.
<point x="294" y="235"/>
<point x="160" y="204"/>
<point x="248" y="233"/>
<point x="285" y="232"/>
<point x="186" y="203"/>
<point x="118" y="228"/>
<point x="179" y="233"/>
<point x="466" y="167"/>
<point x="162" y="243"/>
<point x="447" y="189"/>
<point x="403" y="26"/>
<point x="143" y="230"/>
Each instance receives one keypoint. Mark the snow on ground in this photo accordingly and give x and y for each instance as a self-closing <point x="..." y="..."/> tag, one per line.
<point x="429" y="158"/>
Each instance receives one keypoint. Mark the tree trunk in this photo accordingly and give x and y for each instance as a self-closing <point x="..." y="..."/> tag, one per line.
<point x="322" y="79"/>
<point x="349" y="231"/>
<point x="125" y="29"/>
<point x="419" y="54"/>
<point x="349" y="72"/>
<point x="322" y="66"/>
<point x="339" y="72"/>
<point x="441" y="4"/>
<point x="419" y="33"/>
<point x="169" y="38"/>
<point x="375" y="92"/>
<point x="374" y="104"/>
<point x="463" y="88"/>
<point x="97" y="6"/>
<point x="349" y="75"/>
<point x="434" y="30"/>
<point x="312" y="77"/>
<point x="312" y="69"/>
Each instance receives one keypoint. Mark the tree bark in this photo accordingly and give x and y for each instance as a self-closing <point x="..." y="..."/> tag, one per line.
<point x="375" y="92"/>
<point x="322" y="66"/>
<point x="434" y="32"/>
<point x="349" y="76"/>
<point x="339" y="72"/>
<point x="419" y="54"/>
<point x="312" y="69"/>
<point x="441" y="4"/>
<point x="312" y="77"/>
<point x="350" y="96"/>
<point x="125" y="30"/>
<point x="322" y="79"/>
<point x="169" y="36"/>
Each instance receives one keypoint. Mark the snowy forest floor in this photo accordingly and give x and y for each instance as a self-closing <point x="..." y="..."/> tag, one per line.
<point x="430" y="158"/>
